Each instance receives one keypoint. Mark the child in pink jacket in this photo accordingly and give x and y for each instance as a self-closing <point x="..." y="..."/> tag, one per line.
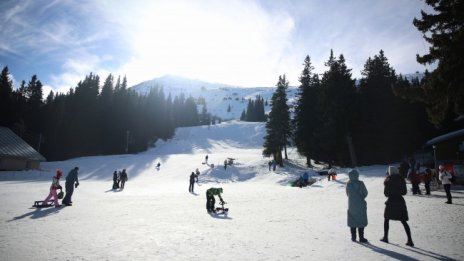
<point x="55" y="185"/>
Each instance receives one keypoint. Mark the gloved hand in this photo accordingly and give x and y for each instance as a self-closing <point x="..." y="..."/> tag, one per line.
<point x="77" y="184"/>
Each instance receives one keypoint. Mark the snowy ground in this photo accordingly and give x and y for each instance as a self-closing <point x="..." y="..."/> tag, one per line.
<point x="156" y="218"/>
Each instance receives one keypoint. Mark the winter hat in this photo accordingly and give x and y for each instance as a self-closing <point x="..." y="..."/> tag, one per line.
<point x="353" y="174"/>
<point x="392" y="170"/>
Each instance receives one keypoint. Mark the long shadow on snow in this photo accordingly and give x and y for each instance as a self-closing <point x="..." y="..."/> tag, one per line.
<point x="425" y="252"/>
<point x="38" y="213"/>
<point x="392" y="254"/>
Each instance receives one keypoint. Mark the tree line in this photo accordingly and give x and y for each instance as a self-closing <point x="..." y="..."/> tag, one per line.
<point x="386" y="116"/>
<point x="92" y="119"/>
<point x="339" y="122"/>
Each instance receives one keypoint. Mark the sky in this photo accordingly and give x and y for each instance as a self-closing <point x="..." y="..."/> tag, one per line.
<point x="238" y="42"/>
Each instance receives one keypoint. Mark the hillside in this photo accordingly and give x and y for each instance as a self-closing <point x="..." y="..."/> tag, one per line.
<point x="218" y="96"/>
<point x="156" y="218"/>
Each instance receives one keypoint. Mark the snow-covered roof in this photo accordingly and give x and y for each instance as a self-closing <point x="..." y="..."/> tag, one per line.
<point x="445" y="137"/>
<point x="12" y="145"/>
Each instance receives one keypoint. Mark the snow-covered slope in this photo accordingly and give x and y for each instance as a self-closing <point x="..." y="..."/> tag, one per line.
<point x="218" y="96"/>
<point x="156" y="218"/>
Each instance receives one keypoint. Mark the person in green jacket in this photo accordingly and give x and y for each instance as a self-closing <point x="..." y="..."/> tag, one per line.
<point x="210" y="200"/>
<point x="71" y="182"/>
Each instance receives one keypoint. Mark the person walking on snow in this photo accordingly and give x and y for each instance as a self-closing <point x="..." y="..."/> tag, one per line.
<point x="115" y="180"/>
<point x="210" y="200"/>
<point x="445" y="178"/>
<point x="55" y="186"/>
<point x="192" y="182"/>
<point x="357" y="206"/>
<point x="72" y="182"/>
<point x="197" y="174"/>
<point x="395" y="206"/>
<point x="123" y="178"/>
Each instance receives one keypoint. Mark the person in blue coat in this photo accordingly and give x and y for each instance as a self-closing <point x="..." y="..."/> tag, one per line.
<point x="357" y="206"/>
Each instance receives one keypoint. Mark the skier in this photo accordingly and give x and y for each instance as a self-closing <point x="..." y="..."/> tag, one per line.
<point x="395" y="206"/>
<point x="357" y="206"/>
<point x="72" y="182"/>
<point x="55" y="185"/>
<point x="192" y="182"/>
<point x="445" y="178"/>
<point x="123" y="178"/>
<point x="115" y="180"/>
<point x="210" y="200"/>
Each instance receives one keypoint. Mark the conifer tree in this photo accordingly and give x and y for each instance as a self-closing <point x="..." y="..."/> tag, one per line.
<point x="278" y="123"/>
<point x="306" y="114"/>
<point x="443" y="89"/>
<point x="6" y="93"/>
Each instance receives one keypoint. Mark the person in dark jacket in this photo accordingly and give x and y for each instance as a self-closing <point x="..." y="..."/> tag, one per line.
<point x="427" y="180"/>
<point x="395" y="206"/>
<point x="404" y="168"/>
<point x="192" y="182"/>
<point x="210" y="201"/>
<point x="357" y="206"/>
<point x="72" y="181"/>
<point x="415" y="179"/>
<point x="115" y="180"/>
<point x="123" y="178"/>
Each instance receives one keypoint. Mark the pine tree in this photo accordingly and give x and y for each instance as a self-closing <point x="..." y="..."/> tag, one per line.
<point x="443" y="90"/>
<point x="306" y="114"/>
<point x="278" y="123"/>
<point x="337" y="99"/>
<point x="6" y="93"/>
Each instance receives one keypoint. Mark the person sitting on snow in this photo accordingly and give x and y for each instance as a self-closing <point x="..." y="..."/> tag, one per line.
<point x="55" y="186"/>
<point x="210" y="200"/>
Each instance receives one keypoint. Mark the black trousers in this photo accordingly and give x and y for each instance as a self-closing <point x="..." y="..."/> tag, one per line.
<point x="210" y="201"/>
<point x="427" y="187"/>
<point x="448" y="192"/>
<point x="69" y="186"/>
<point x="191" y="186"/>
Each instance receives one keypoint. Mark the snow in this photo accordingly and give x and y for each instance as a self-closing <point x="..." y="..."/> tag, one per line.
<point x="218" y="96"/>
<point x="156" y="218"/>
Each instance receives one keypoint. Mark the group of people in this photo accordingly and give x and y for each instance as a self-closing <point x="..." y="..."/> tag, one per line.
<point x="119" y="179"/>
<point x="71" y="182"/>
<point x="395" y="206"/>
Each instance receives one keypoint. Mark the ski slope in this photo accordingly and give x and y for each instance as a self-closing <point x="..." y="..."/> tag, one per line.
<point x="156" y="218"/>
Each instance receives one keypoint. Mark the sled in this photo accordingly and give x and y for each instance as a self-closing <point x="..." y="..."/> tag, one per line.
<point x="222" y="209"/>
<point x="39" y="204"/>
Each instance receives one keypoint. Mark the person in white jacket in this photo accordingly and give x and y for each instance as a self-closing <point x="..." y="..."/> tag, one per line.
<point x="445" y="178"/>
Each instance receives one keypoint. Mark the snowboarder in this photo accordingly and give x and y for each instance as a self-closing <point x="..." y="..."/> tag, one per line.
<point x="72" y="182"/>
<point x="445" y="178"/>
<point x="115" y="180"/>
<point x="192" y="182"/>
<point x="55" y="186"/>
<point x="395" y="206"/>
<point x="123" y="178"/>
<point x="357" y="206"/>
<point x="210" y="200"/>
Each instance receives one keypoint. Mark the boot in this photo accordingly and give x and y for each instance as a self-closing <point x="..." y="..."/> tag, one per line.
<point x="410" y="243"/>
<point x="353" y="234"/>
<point x="384" y="239"/>
<point x="361" y="235"/>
